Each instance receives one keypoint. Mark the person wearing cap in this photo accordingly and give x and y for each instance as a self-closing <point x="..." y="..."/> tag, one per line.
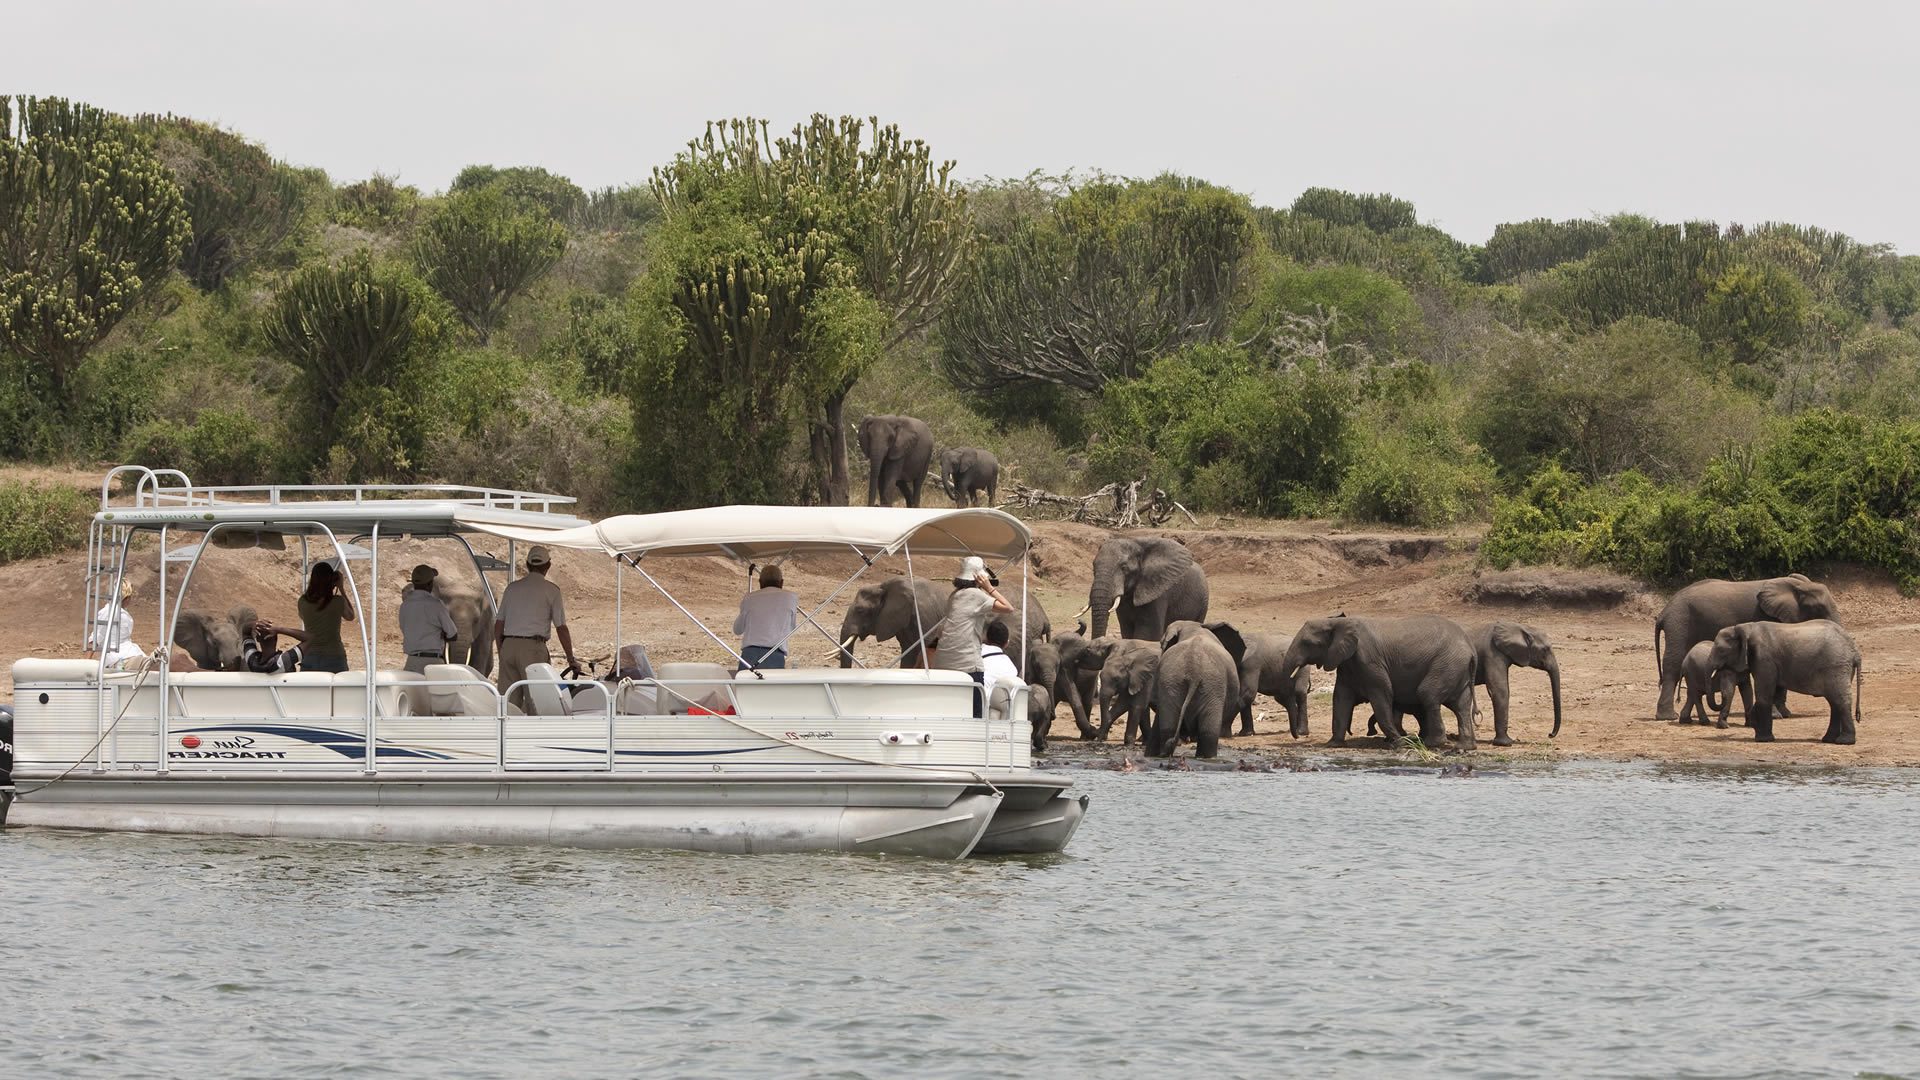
<point x="425" y="623"/>
<point x="766" y="620"/>
<point x="112" y="632"/>
<point x="323" y="607"/>
<point x="974" y="601"/>
<point x="530" y="608"/>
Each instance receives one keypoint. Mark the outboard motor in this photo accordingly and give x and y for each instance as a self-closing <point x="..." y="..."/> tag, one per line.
<point x="6" y="762"/>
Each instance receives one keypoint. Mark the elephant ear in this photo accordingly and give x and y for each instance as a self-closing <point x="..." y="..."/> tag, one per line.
<point x="1163" y="564"/>
<point x="1749" y="649"/>
<point x="1142" y="674"/>
<point x="1230" y="637"/>
<point x="1096" y="655"/>
<point x="1342" y="644"/>
<point x="1511" y="639"/>
<point x="1780" y="601"/>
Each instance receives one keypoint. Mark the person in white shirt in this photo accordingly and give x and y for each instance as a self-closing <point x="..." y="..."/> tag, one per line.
<point x="530" y="608"/>
<point x="766" y="620"/>
<point x="974" y="601"/>
<point x="112" y="632"/>
<point x="994" y="660"/>
<point x="425" y="623"/>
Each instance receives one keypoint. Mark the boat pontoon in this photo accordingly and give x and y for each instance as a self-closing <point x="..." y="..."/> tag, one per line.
<point x="699" y="756"/>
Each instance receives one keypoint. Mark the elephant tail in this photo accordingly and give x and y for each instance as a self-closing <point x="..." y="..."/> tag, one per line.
<point x="1659" y="663"/>
<point x="1856" y="691"/>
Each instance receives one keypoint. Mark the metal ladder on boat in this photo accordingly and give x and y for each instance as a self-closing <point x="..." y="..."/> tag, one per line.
<point x="105" y="538"/>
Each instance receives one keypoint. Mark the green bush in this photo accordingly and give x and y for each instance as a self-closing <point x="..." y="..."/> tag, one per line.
<point x="38" y="520"/>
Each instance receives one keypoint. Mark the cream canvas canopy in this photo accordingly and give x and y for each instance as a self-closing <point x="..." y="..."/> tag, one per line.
<point x="770" y="533"/>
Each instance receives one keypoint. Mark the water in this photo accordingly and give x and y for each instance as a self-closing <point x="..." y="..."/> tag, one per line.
<point x="1593" y="922"/>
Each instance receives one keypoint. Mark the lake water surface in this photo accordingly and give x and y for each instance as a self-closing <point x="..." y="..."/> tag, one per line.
<point x="1597" y="921"/>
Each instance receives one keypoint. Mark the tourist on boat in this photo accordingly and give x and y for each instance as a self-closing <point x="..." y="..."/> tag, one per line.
<point x="994" y="660"/>
<point x="530" y="609"/>
<point x="260" y="651"/>
<point x="957" y="642"/>
<point x="323" y="607"/>
<point x="113" y="631"/>
<point x="766" y="620"/>
<point x="425" y="623"/>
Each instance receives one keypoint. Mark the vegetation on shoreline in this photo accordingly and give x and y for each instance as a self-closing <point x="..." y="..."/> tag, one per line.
<point x="1670" y="400"/>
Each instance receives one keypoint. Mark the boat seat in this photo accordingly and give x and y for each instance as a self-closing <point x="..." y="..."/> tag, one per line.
<point x="458" y="690"/>
<point x="395" y="693"/>
<point x="684" y="689"/>
<point x="1001" y="695"/>
<point x="544" y="696"/>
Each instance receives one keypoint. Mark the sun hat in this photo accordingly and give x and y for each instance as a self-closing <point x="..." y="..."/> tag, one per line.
<point x="972" y="568"/>
<point x="423" y="576"/>
<point x="538" y="555"/>
<point x="126" y="589"/>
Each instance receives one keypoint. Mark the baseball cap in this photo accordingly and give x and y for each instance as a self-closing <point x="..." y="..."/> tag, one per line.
<point x="423" y="576"/>
<point x="538" y="555"/>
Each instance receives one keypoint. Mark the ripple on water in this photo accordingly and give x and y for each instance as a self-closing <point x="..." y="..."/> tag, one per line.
<point x="1617" y="922"/>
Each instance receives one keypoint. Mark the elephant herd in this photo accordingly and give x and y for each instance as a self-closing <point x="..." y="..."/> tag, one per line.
<point x="899" y="452"/>
<point x="1176" y="676"/>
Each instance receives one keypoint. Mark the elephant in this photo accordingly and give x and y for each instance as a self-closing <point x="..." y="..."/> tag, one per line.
<point x="1703" y="609"/>
<point x="966" y="470"/>
<point x="1710" y="689"/>
<point x="1126" y="683"/>
<point x="213" y="641"/>
<point x="1079" y="673"/>
<point x="1422" y="662"/>
<point x="898" y="450"/>
<point x="1197" y="687"/>
<point x="1157" y="581"/>
<point x="1260" y="674"/>
<point x="1500" y="645"/>
<point x="885" y="611"/>
<point x="473" y="617"/>
<point x="1815" y="657"/>
<point x="1043" y="671"/>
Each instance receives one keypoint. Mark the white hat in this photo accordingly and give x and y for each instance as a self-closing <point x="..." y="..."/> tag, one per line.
<point x="538" y="555"/>
<point x="972" y="568"/>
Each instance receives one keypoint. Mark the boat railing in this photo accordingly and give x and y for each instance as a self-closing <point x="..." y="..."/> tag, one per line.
<point x="171" y="488"/>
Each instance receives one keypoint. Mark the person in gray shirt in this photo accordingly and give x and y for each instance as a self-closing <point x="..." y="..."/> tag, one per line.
<point x="974" y="601"/>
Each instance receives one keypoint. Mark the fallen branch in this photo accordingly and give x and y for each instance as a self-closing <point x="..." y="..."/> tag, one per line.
<point x="1117" y="505"/>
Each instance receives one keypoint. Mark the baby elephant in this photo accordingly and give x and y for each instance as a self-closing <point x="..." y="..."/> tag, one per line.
<point x="1709" y="689"/>
<point x="1261" y="673"/>
<point x="966" y="471"/>
<point x="1815" y="658"/>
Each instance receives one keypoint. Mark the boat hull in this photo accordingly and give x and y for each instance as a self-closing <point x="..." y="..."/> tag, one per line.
<point x="934" y="818"/>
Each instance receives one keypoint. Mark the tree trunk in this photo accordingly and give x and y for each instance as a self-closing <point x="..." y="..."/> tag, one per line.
<point x="827" y="450"/>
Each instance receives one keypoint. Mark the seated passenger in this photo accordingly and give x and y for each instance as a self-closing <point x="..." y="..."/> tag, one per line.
<point x="113" y="633"/>
<point x="258" y="650"/>
<point x="994" y="660"/>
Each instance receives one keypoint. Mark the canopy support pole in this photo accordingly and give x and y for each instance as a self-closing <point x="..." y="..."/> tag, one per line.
<point x="717" y="640"/>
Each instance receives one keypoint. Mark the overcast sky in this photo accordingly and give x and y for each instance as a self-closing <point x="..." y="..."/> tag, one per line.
<point x="1479" y="112"/>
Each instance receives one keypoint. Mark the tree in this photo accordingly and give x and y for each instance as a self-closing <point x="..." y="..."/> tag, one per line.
<point x="242" y="203"/>
<point x="527" y="185"/>
<point x="889" y="219"/>
<point x="1524" y="247"/>
<point x="353" y="329"/>
<point x="1111" y="276"/>
<point x="90" y="222"/>
<point x="1376" y="213"/>
<point x="481" y="248"/>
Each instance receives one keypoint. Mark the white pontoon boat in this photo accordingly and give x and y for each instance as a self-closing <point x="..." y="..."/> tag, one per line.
<point x="698" y="756"/>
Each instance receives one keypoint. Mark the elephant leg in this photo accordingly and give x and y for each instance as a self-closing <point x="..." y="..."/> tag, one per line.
<point x="1296" y="705"/>
<point x="1840" y="729"/>
<point x="1382" y="704"/>
<point x="1343" y="703"/>
<point x="1079" y="710"/>
<point x="1107" y="717"/>
<point x="1500" y="692"/>
<point x="1466" y="733"/>
<point x="1206" y="736"/>
<point x="1760" y="717"/>
<point x="1670" y="665"/>
<point x="1780" y="703"/>
<point x="1746" y="700"/>
<point x="1246" y="717"/>
<point x="1433" y="727"/>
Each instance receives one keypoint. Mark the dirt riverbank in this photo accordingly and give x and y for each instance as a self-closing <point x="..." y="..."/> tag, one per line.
<point x="1264" y="576"/>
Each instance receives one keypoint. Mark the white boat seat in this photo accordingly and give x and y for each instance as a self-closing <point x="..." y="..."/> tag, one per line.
<point x="1000" y="697"/>
<point x="544" y="696"/>
<point x="592" y="698"/>
<point x="448" y="695"/>
<point x="683" y="687"/>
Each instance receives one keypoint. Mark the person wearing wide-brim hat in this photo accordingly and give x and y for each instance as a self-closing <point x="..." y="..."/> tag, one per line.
<point x="974" y="601"/>
<point x="112" y="631"/>
<point x="530" y="609"/>
<point x="425" y="623"/>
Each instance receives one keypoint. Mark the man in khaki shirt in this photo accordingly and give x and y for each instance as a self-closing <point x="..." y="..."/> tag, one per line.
<point x="529" y="608"/>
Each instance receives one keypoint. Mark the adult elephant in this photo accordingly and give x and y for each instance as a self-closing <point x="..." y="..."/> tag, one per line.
<point x="886" y="612"/>
<point x="1043" y="671"/>
<point x="1197" y="687"/>
<point x="969" y="470"/>
<point x="1079" y="674"/>
<point x="1816" y="658"/>
<point x="1701" y="610"/>
<point x="1417" y="664"/>
<point x="898" y="450"/>
<point x="1262" y="671"/>
<point x="1126" y="685"/>
<point x="1156" y="580"/>
<point x="213" y="641"/>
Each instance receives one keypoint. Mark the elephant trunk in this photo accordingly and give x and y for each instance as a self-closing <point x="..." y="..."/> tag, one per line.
<point x="849" y="633"/>
<point x="1715" y="699"/>
<point x="1553" y="675"/>
<point x="1296" y="657"/>
<point x="1106" y="583"/>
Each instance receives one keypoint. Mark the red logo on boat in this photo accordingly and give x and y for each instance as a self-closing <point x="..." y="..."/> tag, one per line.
<point x="189" y="741"/>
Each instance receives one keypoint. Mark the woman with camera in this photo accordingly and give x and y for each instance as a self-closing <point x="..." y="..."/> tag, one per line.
<point x="323" y="607"/>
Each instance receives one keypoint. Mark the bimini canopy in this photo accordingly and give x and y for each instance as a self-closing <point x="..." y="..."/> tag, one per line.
<point x="770" y="533"/>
